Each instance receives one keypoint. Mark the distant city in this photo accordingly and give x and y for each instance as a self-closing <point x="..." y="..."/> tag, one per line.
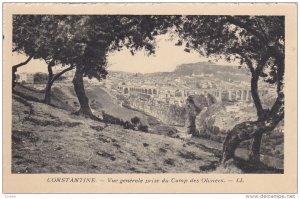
<point x="226" y="84"/>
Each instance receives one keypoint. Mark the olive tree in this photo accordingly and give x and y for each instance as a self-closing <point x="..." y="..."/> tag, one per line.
<point x="257" y="42"/>
<point x="96" y="36"/>
<point x="44" y="37"/>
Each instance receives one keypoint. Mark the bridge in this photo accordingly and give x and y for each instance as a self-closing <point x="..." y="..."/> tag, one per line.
<point x="220" y="95"/>
<point x="232" y="95"/>
<point x="149" y="90"/>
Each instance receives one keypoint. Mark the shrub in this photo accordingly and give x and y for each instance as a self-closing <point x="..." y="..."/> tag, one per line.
<point x="143" y="128"/>
<point x="135" y="120"/>
<point x="128" y="125"/>
<point x="111" y="119"/>
<point x="114" y="120"/>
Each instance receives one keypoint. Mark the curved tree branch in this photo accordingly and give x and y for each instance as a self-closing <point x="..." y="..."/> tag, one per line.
<point x="22" y="63"/>
<point x="56" y="76"/>
<point x="15" y="49"/>
<point x="15" y="68"/>
<point x="248" y="130"/>
<point x="47" y="98"/>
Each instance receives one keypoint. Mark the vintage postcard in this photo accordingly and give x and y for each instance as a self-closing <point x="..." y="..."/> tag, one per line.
<point x="150" y="98"/>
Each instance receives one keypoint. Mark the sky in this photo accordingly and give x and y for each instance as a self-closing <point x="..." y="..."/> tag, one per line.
<point x="166" y="58"/>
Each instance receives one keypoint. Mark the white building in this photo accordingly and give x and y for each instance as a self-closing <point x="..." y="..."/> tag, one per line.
<point x="26" y="78"/>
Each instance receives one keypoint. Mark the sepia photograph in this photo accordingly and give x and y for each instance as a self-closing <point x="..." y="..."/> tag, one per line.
<point x="147" y="94"/>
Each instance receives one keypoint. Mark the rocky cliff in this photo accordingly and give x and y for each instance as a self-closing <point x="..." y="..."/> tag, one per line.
<point x="214" y="121"/>
<point x="195" y="104"/>
<point x="170" y="114"/>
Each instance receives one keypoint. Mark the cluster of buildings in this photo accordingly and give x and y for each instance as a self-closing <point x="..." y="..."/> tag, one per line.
<point x="177" y="96"/>
<point x="169" y="89"/>
<point x="175" y="89"/>
<point x="25" y="78"/>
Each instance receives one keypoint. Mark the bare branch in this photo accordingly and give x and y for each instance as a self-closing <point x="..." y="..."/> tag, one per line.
<point x="15" y="49"/>
<point x="56" y="76"/>
<point x="22" y="63"/>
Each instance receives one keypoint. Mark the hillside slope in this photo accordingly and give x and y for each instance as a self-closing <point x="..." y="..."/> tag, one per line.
<point x="64" y="97"/>
<point x="51" y="140"/>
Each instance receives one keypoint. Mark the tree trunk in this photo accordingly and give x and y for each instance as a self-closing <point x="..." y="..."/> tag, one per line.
<point x="256" y="142"/>
<point x="85" y="109"/>
<point x="47" y="98"/>
<point x="254" y="154"/>
<point x="248" y="130"/>
<point x="51" y="80"/>
<point x="15" y="68"/>
<point x="255" y="148"/>
<point x="255" y="95"/>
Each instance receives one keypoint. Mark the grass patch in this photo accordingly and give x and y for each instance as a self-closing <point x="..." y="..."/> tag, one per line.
<point x="54" y="123"/>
